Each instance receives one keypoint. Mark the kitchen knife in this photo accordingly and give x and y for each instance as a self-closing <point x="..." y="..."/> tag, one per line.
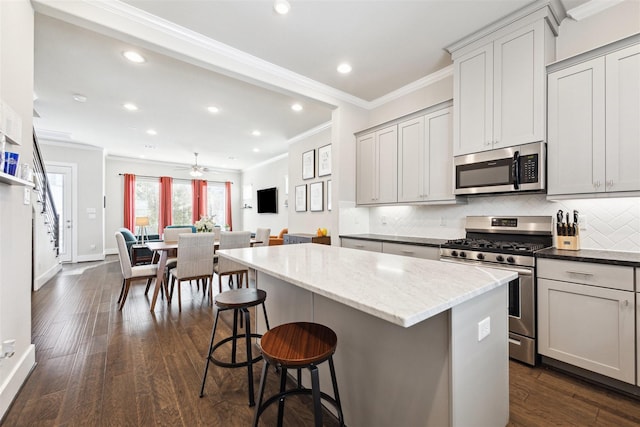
<point x="559" y="227"/>
<point x="575" y="222"/>
<point x="568" y="226"/>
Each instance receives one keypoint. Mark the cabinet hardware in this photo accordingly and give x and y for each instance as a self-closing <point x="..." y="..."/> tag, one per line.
<point x="580" y="273"/>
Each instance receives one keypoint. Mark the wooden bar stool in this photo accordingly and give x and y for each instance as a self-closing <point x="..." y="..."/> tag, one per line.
<point x="238" y="300"/>
<point x="299" y="345"/>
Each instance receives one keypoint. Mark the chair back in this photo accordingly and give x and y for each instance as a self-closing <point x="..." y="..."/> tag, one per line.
<point x="216" y="232"/>
<point x="233" y="240"/>
<point x="171" y="233"/>
<point x="125" y="261"/>
<point x="262" y="236"/>
<point x="195" y="254"/>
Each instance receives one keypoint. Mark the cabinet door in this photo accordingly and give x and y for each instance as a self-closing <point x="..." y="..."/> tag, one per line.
<point x="387" y="165"/>
<point x="473" y="101"/>
<point x="365" y="168"/>
<point x="438" y="181"/>
<point x="589" y="327"/>
<point x="365" y="245"/>
<point x="415" y="251"/>
<point x="518" y="75"/>
<point x="576" y="129"/>
<point x="623" y="120"/>
<point x="411" y="161"/>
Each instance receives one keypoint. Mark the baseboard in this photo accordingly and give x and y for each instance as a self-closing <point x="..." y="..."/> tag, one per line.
<point x="91" y="257"/>
<point x="16" y="378"/>
<point x="46" y="276"/>
<point x="111" y="251"/>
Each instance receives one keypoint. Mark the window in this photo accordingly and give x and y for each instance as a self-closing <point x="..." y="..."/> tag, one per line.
<point x="147" y="203"/>
<point x="216" y="202"/>
<point x="182" y="199"/>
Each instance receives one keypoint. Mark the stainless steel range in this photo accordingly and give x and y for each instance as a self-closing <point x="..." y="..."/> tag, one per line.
<point x="508" y="243"/>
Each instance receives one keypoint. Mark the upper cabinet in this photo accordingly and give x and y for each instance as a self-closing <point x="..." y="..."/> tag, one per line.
<point x="408" y="160"/>
<point x="594" y="106"/>
<point x="499" y="84"/>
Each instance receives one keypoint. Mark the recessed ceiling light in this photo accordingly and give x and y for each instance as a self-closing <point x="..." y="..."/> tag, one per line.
<point x="213" y="109"/>
<point x="281" y="7"/>
<point x="296" y="107"/>
<point x="130" y="106"/>
<point x="256" y="150"/>
<point x="79" y="98"/>
<point x="344" y="68"/>
<point x="133" y="56"/>
<point x="152" y="132"/>
<point x="256" y="133"/>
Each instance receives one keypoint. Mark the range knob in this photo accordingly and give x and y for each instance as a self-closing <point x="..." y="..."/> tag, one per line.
<point x="480" y="256"/>
<point x="499" y="258"/>
<point x="463" y="255"/>
<point x="454" y="253"/>
<point x="510" y="260"/>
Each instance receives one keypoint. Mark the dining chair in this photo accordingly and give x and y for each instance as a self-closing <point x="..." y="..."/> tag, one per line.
<point x="131" y="273"/>
<point x="262" y="237"/>
<point x="170" y="234"/>
<point x="195" y="258"/>
<point x="226" y="267"/>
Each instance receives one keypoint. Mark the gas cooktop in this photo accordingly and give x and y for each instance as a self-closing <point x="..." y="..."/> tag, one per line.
<point x="494" y="246"/>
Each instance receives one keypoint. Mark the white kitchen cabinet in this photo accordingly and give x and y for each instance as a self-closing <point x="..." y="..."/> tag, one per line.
<point x="588" y="326"/>
<point x="415" y="251"/>
<point x="499" y="90"/>
<point x="593" y="122"/>
<point x="377" y="166"/>
<point x="365" y="245"/>
<point x="425" y="158"/>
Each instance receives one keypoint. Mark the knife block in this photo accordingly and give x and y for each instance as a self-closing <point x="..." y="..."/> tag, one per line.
<point x="569" y="243"/>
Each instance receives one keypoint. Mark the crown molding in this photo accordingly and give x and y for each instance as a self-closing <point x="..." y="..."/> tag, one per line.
<point x="266" y="162"/>
<point x="310" y="133"/>
<point x="412" y="87"/>
<point x="590" y="8"/>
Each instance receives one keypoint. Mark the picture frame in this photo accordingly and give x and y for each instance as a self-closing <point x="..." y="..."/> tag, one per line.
<point x="329" y="195"/>
<point x="301" y="198"/>
<point x="309" y="164"/>
<point x="324" y="160"/>
<point x="316" y="196"/>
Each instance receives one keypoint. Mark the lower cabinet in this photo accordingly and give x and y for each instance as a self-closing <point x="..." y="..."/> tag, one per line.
<point x="416" y="251"/>
<point x="591" y="326"/>
<point x="365" y="245"/>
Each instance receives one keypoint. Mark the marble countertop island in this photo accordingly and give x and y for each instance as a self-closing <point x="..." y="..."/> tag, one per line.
<point x="401" y="290"/>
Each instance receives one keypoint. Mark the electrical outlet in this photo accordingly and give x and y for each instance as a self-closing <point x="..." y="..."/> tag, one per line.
<point x="443" y="221"/>
<point x="383" y="219"/>
<point x="582" y="221"/>
<point x="484" y="328"/>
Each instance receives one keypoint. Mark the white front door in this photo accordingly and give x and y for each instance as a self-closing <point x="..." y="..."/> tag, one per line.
<point x="61" y="183"/>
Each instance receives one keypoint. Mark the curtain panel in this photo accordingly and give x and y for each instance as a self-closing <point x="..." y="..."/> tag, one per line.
<point x="199" y="201"/>
<point x="165" y="216"/>
<point x="129" y="202"/>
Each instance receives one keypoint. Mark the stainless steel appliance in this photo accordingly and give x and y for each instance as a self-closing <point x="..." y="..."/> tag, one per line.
<point x="511" y="169"/>
<point x="508" y="243"/>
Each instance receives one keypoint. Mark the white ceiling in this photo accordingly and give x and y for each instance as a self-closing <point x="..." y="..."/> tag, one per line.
<point x="389" y="43"/>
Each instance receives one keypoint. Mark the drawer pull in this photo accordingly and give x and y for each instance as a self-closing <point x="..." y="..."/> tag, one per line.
<point x="580" y="273"/>
<point x="407" y="252"/>
<point x="359" y="246"/>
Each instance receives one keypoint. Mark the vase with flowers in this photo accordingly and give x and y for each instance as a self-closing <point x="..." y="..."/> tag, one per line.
<point x="205" y="224"/>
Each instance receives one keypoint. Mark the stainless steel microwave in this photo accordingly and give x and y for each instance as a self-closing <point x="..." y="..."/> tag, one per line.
<point x="505" y="170"/>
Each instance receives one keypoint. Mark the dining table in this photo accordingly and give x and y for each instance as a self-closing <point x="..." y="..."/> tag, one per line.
<point x="161" y="250"/>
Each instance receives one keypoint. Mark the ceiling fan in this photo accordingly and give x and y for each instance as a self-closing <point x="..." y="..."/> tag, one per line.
<point x="195" y="169"/>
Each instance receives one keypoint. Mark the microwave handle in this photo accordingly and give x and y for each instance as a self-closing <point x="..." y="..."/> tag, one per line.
<point x="516" y="170"/>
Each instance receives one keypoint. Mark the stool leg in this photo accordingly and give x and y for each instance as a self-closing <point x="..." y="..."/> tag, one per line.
<point x="247" y="332"/>
<point x="315" y="392"/>
<point x="299" y="378"/>
<point x="336" y="395"/>
<point x="235" y="335"/>
<point x="266" y="319"/>
<point x="283" y="383"/>
<point x="206" y="366"/>
<point x="263" y="381"/>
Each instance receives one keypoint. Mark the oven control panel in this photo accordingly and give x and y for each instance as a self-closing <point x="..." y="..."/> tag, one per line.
<point x="478" y="257"/>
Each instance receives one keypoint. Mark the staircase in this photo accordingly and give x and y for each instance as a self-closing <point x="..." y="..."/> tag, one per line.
<point x="44" y="197"/>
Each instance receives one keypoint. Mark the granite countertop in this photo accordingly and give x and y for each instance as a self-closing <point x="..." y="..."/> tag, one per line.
<point x="418" y="241"/>
<point x="631" y="259"/>
<point x="399" y="289"/>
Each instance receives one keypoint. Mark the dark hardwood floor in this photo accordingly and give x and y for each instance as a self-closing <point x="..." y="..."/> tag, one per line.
<point x="100" y="367"/>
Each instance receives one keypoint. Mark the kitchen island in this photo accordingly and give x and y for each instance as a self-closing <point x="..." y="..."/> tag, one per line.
<point x="408" y="329"/>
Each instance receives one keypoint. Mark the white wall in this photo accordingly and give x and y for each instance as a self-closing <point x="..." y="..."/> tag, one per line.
<point x="266" y="175"/>
<point x="16" y="89"/>
<point x="114" y="189"/>
<point x="89" y="161"/>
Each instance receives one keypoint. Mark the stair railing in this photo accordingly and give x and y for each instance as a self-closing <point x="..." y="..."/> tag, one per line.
<point x="45" y="198"/>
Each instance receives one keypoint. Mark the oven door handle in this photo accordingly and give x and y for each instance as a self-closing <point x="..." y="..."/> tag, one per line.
<point x="515" y="170"/>
<point x="522" y="271"/>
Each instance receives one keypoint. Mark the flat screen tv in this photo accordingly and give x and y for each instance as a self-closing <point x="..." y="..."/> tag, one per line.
<point x="268" y="200"/>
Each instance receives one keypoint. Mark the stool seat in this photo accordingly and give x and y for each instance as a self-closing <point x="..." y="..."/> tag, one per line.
<point x="238" y="298"/>
<point x="298" y="344"/>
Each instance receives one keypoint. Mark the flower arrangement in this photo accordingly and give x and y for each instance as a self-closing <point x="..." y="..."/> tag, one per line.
<point x="205" y="224"/>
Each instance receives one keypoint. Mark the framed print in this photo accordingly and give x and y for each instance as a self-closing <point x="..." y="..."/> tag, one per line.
<point x="329" y="195"/>
<point x="301" y="198"/>
<point x="309" y="164"/>
<point x="324" y="160"/>
<point x="316" y="196"/>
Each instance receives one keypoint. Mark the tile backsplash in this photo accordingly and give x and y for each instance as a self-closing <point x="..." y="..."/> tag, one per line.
<point x="611" y="223"/>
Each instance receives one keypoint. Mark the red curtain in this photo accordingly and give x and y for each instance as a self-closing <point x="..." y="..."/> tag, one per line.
<point x="199" y="202"/>
<point x="165" y="216"/>
<point x="227" y="194"/>
<point x="129" y="201"/>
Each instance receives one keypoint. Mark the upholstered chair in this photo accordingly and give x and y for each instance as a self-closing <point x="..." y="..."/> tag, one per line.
<point x="131" y="273"/>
